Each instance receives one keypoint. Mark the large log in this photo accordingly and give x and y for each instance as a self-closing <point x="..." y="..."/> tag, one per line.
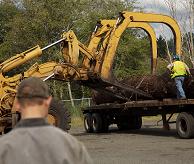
<point x="159" y="87"/>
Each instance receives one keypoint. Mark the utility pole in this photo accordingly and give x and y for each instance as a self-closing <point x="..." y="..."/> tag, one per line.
<point x="70" y="94"/>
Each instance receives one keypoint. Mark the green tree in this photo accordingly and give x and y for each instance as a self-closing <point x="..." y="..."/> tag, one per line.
<point x="162" y="50"/>
<point x="133" y="54"/>
<point x="43" y="21"/>
<point x="8" y="11"/>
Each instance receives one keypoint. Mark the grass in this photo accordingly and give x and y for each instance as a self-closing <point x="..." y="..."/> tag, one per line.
<point x="157" y="118"/>
<point x="76" y="121"/>
<point x="152" y="118"/>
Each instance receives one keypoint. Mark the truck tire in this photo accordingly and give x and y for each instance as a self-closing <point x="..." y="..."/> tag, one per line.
<point x="185" y="125"/>
<point x="7" y="129"/>
<point x="59" y="116"/>
<point x="88" y="123"/>
<point x="9" y="125"/>
<point x="97" y="123"/>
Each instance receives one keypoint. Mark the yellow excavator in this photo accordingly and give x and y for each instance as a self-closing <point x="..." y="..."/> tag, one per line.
<point x="90" y="65"/>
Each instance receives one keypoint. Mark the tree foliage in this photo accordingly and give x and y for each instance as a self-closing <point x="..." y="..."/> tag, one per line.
<point x="162" y="49"/>
<point x="133" y="54"/>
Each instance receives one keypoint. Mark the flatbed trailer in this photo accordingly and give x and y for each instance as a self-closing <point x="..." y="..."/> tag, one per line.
<point x="97" y="118"/>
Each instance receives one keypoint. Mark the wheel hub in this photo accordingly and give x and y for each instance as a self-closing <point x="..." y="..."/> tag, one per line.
<point x="52" y="120"/>
<point x="183" y="126"/>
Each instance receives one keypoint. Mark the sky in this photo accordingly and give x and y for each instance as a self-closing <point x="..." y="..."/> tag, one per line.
<point x="160" y="7"/>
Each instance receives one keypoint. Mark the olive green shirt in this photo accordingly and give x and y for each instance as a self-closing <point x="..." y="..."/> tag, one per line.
<point x="34" y="141"/>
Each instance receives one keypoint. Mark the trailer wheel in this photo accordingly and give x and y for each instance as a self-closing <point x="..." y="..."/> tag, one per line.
<point x="97" y="123"/>
<point x="58" y="115"/>
<point x="88" y="123"/>
<point x="7" y="129"/>
<point x="185" y="125"/>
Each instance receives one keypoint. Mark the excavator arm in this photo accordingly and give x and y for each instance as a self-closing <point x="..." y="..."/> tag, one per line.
<point x="66" y="70"/>
<point x="157" y="18"/>
<point x="122" y="23"/>
<point x="107" y="25"/>
<point x="23" y="57"/>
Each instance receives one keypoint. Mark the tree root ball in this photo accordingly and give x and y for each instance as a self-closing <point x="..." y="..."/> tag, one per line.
<point x="159" y="86"/>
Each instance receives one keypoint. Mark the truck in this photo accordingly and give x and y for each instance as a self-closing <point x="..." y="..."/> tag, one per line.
<point x="91" y="66"/>
<point x="128" y="114"/>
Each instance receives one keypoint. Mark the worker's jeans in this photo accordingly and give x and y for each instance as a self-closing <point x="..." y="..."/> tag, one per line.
<point x="179" y="87"/>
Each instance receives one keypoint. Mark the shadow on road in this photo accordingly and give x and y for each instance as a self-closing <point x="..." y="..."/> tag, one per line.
<point x="152" y="131"/>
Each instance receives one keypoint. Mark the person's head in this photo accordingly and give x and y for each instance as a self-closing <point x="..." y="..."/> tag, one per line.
<point x="176" y="57"/>
<point x="33" y="98"/>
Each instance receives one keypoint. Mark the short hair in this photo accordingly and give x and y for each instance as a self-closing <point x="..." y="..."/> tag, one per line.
<point x="32" y="91"/>
<point x="30" y="101"/>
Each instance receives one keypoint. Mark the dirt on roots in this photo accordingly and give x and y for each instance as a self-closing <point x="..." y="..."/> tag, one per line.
<point x="158" y="86"/>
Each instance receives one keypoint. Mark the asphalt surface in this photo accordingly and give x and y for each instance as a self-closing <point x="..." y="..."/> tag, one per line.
<point x="150" y="145"/>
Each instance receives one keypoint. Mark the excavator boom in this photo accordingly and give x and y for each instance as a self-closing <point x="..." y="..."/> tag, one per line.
<point x="122" y="23"/>
<point x="23" y="57"/>
<point x="107" y="25"/>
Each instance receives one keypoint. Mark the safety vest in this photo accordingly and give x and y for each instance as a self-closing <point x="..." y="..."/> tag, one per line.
<point x="178" y="69"/>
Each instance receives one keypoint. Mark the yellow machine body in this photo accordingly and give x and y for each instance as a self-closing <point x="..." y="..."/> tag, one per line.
<point x="125" y="19"/>
<point x="107" y="25"/>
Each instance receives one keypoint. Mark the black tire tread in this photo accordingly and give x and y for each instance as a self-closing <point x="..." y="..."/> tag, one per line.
<point x="99" y="125"/>
<point x="57" y="108"/>
<point x="189" y="118"/>
<point x="89" y="117"/>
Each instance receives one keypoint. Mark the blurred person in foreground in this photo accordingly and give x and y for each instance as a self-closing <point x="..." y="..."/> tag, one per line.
<point x="33" y="140"/>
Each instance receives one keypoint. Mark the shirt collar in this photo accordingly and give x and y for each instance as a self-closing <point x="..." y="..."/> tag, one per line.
<point x="32" y="122"/>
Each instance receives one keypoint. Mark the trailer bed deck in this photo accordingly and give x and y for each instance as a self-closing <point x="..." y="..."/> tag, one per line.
<point x="146" y="107"/>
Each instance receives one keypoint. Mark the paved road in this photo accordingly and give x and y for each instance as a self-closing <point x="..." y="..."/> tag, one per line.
<point x="150" y="145"/>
